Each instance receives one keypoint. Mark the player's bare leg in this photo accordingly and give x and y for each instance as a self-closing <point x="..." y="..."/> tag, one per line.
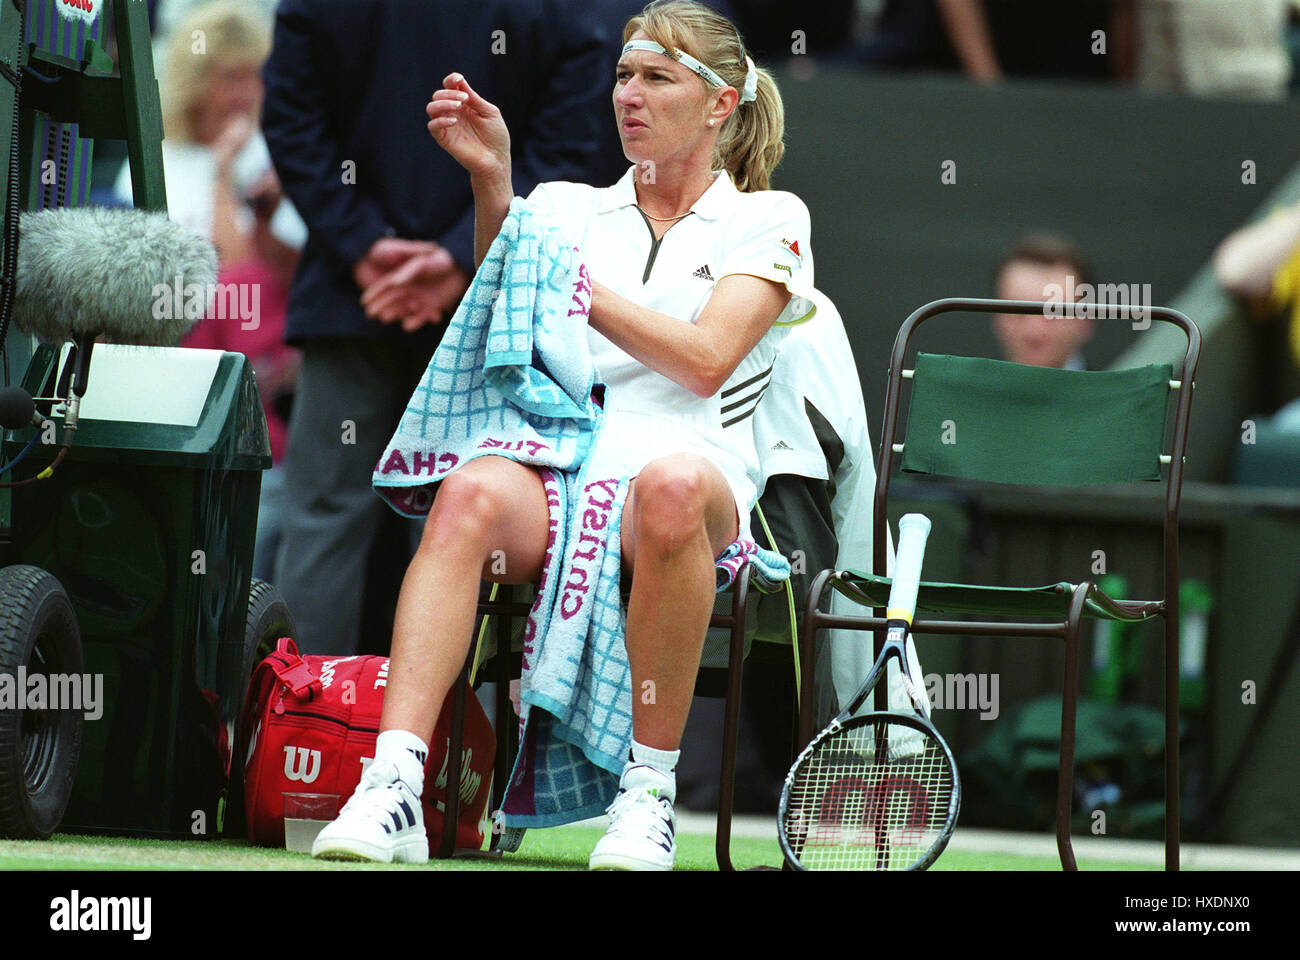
<point x="679" y="516"/>
<point x="491" y="504"/>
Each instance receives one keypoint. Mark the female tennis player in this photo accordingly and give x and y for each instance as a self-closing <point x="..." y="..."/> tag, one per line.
<point x="694" y="261"/>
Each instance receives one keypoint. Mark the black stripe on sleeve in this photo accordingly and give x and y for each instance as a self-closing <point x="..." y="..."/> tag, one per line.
<point x="741" y="386"/>
<point x="735" y="420"/>
<point x="755" y="397"/>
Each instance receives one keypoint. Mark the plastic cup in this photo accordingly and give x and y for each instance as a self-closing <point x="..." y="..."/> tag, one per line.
<point x="304" y="816"/>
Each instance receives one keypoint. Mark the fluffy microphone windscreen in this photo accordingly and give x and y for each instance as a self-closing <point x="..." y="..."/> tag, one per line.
<point x="118" y="272"/>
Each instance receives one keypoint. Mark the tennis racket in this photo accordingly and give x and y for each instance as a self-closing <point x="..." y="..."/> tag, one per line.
<point x="878" y="791"/>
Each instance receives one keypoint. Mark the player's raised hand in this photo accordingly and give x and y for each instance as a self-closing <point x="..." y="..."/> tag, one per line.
<point x="469" y="128"/>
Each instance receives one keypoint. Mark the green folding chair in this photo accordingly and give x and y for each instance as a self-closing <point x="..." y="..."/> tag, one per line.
<point x="997" y="422"/>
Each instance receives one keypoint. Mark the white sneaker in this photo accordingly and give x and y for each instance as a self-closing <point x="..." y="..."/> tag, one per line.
<point x="642" y="824"/>
<point x="382" y="822"/>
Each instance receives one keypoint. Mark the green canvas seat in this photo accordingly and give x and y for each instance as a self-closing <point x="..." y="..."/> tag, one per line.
<point x="991" y="421"/>
<point x="1064" y="430"/>
<point x="1052" y="600"/>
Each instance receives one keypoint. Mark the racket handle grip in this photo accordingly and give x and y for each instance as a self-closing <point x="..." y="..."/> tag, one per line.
<point x="913" y="529"/>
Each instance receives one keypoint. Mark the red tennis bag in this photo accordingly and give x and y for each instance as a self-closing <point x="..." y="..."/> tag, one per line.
<point x="310" y="724"/>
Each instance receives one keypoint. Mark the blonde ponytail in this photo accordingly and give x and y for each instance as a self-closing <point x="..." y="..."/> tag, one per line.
<point x="752" y="140"/>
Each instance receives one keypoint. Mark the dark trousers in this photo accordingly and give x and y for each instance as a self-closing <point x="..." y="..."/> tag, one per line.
<point x="350" y="398"/>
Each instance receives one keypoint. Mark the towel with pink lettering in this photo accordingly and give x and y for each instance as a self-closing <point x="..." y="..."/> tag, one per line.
<point x="576" y="690"/>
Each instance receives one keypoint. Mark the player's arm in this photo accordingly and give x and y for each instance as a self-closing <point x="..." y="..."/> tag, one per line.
<point x="557" y="139"/>
<point x="699" y="356"/>
<point x="474" y="132"/>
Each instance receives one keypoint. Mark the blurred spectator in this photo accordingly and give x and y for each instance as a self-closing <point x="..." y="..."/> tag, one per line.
<point x="1236" y="49"/>
<point x="1040" y="265"/>
<point x="995" y="38"/>
<point x="1259" y="264"/>
<point x="165" y="15"/>
<point x="987" y="39"/>
<point x="213" y="155"/>
<point x="1293" y="44"/>
<point x="220" y="184"/>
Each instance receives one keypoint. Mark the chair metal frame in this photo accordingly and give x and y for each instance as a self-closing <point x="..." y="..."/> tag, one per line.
<point x="1080" y="594"/>
<point x="506" y="723"/>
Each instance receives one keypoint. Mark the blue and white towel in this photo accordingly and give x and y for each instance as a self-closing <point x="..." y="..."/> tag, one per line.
<point x="513" y="377"/>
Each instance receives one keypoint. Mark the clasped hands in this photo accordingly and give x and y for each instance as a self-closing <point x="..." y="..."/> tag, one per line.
<point x="417" y="282"/>
<point x="412" y="282"/>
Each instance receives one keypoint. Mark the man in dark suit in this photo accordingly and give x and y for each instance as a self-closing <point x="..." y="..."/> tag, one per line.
<point x="346" y="87"/>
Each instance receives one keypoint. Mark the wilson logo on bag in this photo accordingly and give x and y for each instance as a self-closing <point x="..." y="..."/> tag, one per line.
<point x="301" y="764"/>
<point x="309" y="726"/>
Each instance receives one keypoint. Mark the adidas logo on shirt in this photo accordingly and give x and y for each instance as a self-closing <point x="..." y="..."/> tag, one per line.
<point x="781" y="445"/>
<point x="703" y="273"/>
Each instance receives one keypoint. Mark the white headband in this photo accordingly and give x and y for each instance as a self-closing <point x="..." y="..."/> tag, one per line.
<point x="686" y="60"/>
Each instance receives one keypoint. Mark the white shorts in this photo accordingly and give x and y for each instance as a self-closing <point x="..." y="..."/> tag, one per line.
<point x="630" y="440"/>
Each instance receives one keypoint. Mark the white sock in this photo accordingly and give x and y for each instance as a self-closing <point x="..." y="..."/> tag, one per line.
<point x="662" y="760"/>
<point x="408" y="752"/>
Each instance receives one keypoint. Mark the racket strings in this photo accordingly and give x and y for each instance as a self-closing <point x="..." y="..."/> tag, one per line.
<point x="875" y="796"/>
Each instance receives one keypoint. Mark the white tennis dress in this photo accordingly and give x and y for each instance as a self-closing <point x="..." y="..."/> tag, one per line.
<point x="763" y="234"/>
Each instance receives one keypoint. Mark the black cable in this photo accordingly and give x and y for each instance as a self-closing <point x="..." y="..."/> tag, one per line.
<point x="30" y="71"/>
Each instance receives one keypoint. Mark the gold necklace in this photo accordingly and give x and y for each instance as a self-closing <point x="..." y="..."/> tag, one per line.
<point x="664" y="219"/>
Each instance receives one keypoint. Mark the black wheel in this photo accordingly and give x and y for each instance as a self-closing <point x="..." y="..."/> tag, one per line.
<point x="268" y="620"/>
<point x="38" y="748"/>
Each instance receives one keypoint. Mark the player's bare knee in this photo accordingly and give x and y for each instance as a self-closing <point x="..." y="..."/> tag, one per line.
<point x="670" y="503"/>
<point x="464" y="511"/>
